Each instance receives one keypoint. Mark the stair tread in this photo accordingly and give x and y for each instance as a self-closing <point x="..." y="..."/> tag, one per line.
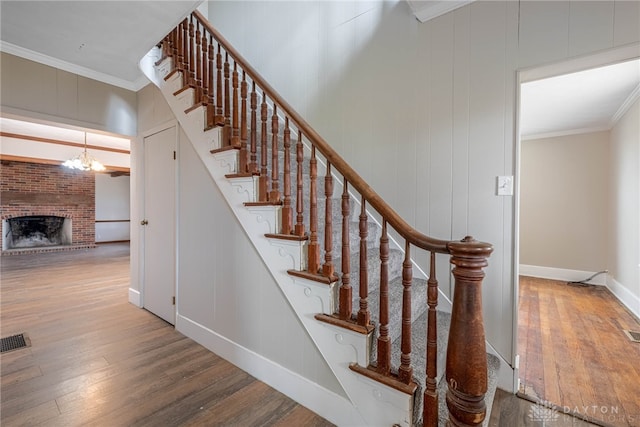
<point x="418" y="303"/>
<point x="373" y="259"/>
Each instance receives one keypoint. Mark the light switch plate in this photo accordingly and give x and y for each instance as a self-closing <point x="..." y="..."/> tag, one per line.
<point x="504" y="186"/>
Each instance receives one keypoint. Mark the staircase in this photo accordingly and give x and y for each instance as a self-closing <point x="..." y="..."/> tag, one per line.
<point x="343" y="258"/>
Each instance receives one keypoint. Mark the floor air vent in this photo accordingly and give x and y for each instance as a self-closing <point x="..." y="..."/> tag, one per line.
<point x="14" y="342"/>
<point x="633" y="335"/>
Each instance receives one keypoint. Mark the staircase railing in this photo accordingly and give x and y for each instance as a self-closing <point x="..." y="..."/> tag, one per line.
<point x="221" y="79"/>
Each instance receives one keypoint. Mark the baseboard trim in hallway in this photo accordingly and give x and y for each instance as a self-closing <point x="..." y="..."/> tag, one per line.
<point x="308" y="393"/>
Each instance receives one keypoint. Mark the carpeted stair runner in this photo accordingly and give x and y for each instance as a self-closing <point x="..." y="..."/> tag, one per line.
<point x="418" y="288"/>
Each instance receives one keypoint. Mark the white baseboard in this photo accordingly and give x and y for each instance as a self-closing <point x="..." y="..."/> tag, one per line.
<point x="134" y="297"/>
<point x="331" y="406"/>
<point x="626" y="297"/>
<point x="506" y="374"/>
<point x="562" y="274"/>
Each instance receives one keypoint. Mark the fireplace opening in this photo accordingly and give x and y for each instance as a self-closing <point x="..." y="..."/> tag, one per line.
<point x="36" y="231"/>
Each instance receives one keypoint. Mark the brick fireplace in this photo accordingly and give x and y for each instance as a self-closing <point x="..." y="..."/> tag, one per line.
<point x="43" y="190"/>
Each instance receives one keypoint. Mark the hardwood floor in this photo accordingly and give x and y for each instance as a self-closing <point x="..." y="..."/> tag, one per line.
<point x="574" y="353"/>
<point x="510" y="410"/>
<point x="96" y="360"/>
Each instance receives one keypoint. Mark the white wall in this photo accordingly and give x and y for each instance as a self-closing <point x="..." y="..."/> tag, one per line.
<point x="112" y="208"/>
<point x="564" y="187"/>
<point x="425" y="112"/>
<point x="41" y="92"/>
<point x="223" y="285"/>
<point x="624" y="209"/>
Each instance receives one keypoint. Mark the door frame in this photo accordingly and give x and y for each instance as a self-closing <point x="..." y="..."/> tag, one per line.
<point x="137" y="214"/>
<point x="593" y="60"/>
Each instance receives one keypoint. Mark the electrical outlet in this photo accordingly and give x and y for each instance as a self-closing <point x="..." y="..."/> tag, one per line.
<point x="504" y="186"/>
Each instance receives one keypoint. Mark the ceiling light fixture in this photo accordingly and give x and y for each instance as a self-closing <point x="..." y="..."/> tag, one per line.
<point x="84" y="161"/>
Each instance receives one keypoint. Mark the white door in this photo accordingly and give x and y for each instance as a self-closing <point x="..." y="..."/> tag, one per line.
<point x="160" y="224"/>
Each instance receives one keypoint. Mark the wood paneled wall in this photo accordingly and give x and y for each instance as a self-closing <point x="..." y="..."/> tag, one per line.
<point x="215" y="287"/>
<point x="425" y="112"/>
<point x="42" y="92"/>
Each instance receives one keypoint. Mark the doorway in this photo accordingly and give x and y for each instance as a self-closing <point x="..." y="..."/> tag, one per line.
<point x="159" y="231"/>
<point x="569" y="213"/>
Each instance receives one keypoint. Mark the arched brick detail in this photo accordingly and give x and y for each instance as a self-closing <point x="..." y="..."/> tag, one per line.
<point x="38" y="213"/>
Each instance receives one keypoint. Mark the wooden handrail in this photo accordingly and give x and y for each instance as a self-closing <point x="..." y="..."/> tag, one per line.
<point x="403" y="228"/>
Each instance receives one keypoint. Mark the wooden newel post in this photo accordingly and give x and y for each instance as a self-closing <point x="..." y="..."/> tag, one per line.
<point x="466" y="371"/>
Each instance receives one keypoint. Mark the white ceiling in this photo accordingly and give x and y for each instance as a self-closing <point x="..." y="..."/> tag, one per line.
<point x="101" y="40"/>
<point x="586" y="101"/>
<point x="105" y="40"/>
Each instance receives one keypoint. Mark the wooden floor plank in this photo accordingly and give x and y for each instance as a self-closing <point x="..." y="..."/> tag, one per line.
<point x="510" y="411"/>
<point x="96" y="360"/>
<point x="40" y="414"/>
<point x="587" y="363"/>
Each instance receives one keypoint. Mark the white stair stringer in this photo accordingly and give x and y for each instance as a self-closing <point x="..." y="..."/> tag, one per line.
<point x="296" y="250"/>
<point x="374" y="404"/>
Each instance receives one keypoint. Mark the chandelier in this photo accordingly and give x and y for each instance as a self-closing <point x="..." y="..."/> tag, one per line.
<point x="84" y="161"/>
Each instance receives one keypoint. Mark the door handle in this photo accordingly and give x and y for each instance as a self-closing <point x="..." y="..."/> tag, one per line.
<point x="144" y="222"/>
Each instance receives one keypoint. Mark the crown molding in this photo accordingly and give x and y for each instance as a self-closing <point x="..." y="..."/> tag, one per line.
<point x="569" y="132"/>
<point x="625" y="106"/>
<point x="427" y="10"/>
<point x="72" y="68"/>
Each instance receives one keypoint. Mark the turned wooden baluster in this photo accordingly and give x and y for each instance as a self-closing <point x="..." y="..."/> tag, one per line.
<point x="235" y="130"/>
<point x="166" y="47"/>
<point x="274" y="195"/>
<point x="384" y="341"/>
<point x="175" y="44"/>
<point x="430" y="397"/>
<point x="287" y="211"/>
<point x="244" y="150"/>
<point x="205" y="69"/>
<point x="192" y="63"/>
<point x="299" y="227"/>
<point x="177" y="47"/>
<point x="345" y="288"/>
<point x="466" y="369"/>
<point x="313" y="250"/>
<point x="327" y="268"/>
<point x="226" y="133"/>
<point x="364" y="316"/>
<point x="263" y="180"/>
<point x="198" y="65"/>
<point x="253" y="164"/>
<point x="173" y="51"/>
<point x="185" y="52"/>
<point x="211" y="107"/>
<point x="210" y="74"/>
<point x="405" y="372"/>
<point x="219" y="116"/>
